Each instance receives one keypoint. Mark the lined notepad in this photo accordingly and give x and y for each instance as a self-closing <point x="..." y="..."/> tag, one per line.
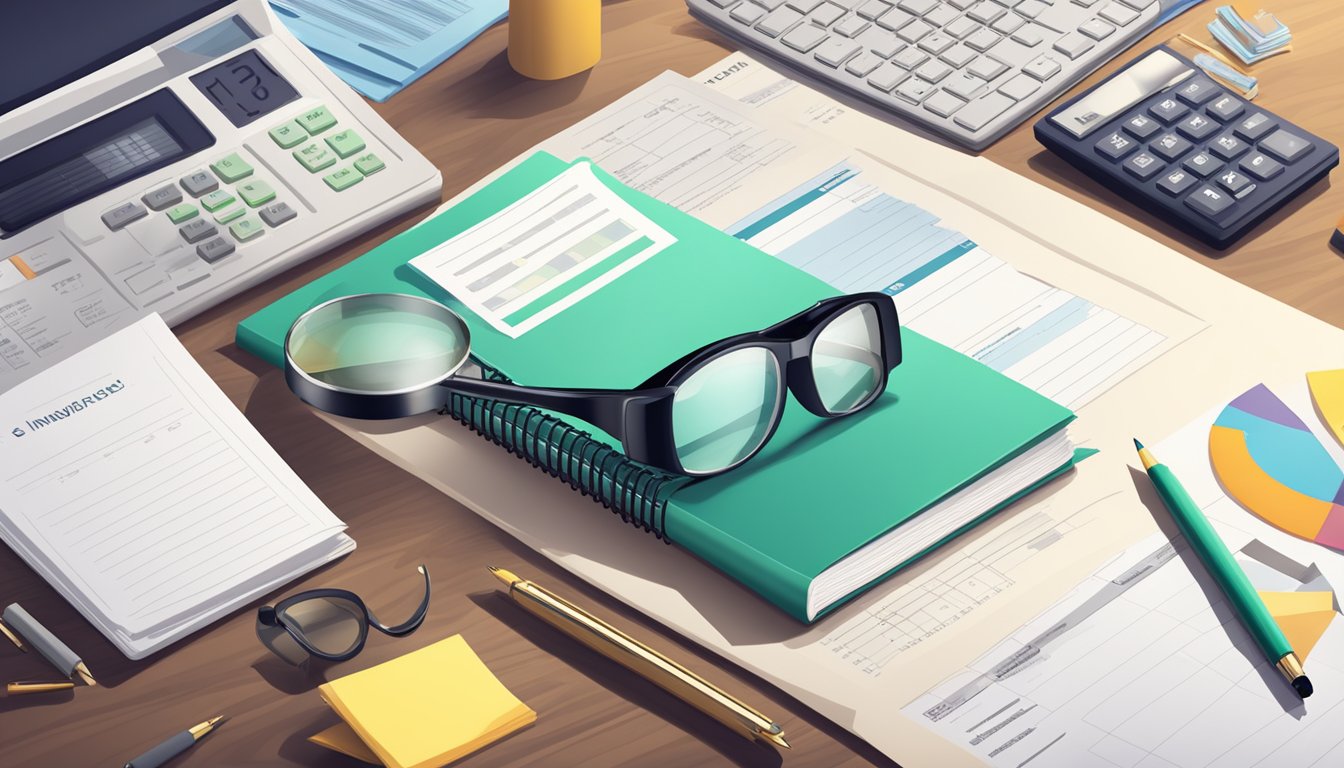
<point x="422" y="710"/>
<point x="131" y="483"/>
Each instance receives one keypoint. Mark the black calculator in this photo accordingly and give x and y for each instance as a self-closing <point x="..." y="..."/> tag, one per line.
<point x="1161" y="133"/>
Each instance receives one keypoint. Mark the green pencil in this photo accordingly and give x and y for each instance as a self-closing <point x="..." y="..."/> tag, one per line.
<point x="1243" y="597"/>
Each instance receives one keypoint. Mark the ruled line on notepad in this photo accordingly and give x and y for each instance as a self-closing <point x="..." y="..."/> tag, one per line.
<point x="112" y="543"/>
<point x="93" y="453"/>
<point x="174" y="466"/>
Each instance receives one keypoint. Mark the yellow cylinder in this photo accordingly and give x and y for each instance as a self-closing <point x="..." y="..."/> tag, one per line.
<point x="551" y="39"/>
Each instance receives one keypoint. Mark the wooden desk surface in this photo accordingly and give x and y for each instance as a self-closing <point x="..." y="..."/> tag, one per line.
<point x="469" y="116"/>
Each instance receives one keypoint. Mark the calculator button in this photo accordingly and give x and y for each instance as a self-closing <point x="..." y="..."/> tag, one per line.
<point x="1202" y="164"/>
<point x="1169" y="146"/>
<point x="214" y="249"/>
<point x="180" y="213"/>
<point x="1255" y="126"/>
<point x="217" y="199"/>
<point x="1261" y="166"/>
<point x="197" y="230"/>
<point x="369" y="164"/>
<point x="1228" y="146"/>
<point x="1176" y="182"/>
<point x="288" y="135"/>
<point x="1116" y="146"/>
<point x="1209" y="201"/>
<point x="1196" y="91"/>
<point x="1234" y="181"/>
<point x="230" y="215"/>
<point x="198" y="183"/>
<point x="1141" y="127"/>
<point x="1226" y="107"/>
<point x="256" y="192"/>
<point x="343" y="179"/>
<point x="1167" y="110"/>
<point x="158" y="199"/>
<point x="231" y="168"/>
<point x="276" y="214"/>
<point x="1143" y="166"/>
<point x="124" y="214"/>
<point x="315" y="157"/>
<point x="1285" y="146"/>
<point x="1197" y="127"/>
<point x="245" y="229"/>
<point x="316" y="120"/>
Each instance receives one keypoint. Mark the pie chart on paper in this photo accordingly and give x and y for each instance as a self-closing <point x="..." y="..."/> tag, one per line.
<point x="1269" y="462"/>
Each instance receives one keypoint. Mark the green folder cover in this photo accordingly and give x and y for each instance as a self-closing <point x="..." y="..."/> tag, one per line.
<point x="820" y="490"/>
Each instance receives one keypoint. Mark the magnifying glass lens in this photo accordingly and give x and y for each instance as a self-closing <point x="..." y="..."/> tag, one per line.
<point x="378" y="343"/>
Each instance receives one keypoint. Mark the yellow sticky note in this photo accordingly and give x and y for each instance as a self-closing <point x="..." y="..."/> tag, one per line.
<point x="1327" y="391"/>
<point x="1303" y="616"/>
<point x="425" y="709"/>
<point x="342" y="738"/>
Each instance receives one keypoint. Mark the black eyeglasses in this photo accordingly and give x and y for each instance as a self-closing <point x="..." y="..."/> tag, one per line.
<point x="378" y="356"/>
<point x="330" y="624"/>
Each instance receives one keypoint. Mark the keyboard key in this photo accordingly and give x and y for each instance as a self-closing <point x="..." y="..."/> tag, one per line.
<point x="124" y="214"/>
<point x="941" y="16"/>
<point x="851" y="26"/>
<point x="980" y="112"/>
<point x="836" y="51"/>
<point x="961" y="27"/>
<point x="826" y="14"/>
<point x="1074" y="44"/>
<point x="1226" y="107"/>
<point x="964" y="85"/>
<point x="343" y="179"/>
<point x="1228" y="146"/>
<point x="1197" y="127"/>
<point x="1118" y="14"/>
<point x="726" y="3"/>
<point x="180" y="213"/>
<point x="1202" y="164"/>
<point x="1007" y="24"/>
<point x="749" y="13"/>
<point x="1042" y="68"/>
<point x="918" y="7"/>
<point x="1020" y="87"/>
<point x="1141" y="126"/>
<point x="873" y="8"/>
<point x="943" y="104"/>
<point x="213" y="250"/>
<point x="778" y="21"/>
<point x="958" y="55"/>
<point x="804" y="38"/>
<point x="196" y="230"/>
<point x="1169" y="146"/>
<point x="1029" y="35"/>
<point x="982" y="39"/>
<point x="224" y="217"/>
<point x="1197" y="90"/>
<point x="198" y="183"/>
<point x="881" y="42"/>
<point x="1209" y="201"/>
<point x="369" y="164"/>
<point x="231" y="168"/>
<point x="1031" y="8"/>
<point x="936" y="43"/>
<point x="1143" y="166"/>
<point x="256" y="192"/>
<point x="894" y="19"/>
<point x="1116" y="146"/>
<point x="933" y="70"/>
<point x="914" y="90"/>
<point x="345" y="143"/>
<point x="246" y="229"/>
<point x="1096" y="29"/>
<point x="288" y="135"/>
<point x="1284" y="146"/>
<point x="1086" y="3"/>
<point x="987" y="68"/>
<point x="315" y="157"/>
<point x="1255" y="126"/>
<point x="1167" y="110"/>
<point x="986" y="11"/>
<point x="961" y="5"/>
<point x="802" y="6"/>
<point x="860" y="65"/>
<point x="909" y="58"/>
<point x="217" y="199"/>
<point x="914" y="31"/>
<point x="276" y="214"/>
<point x="1261" y="166"/>
<point x="1176" y="182"/>
<point x="769" y="5"/>
<point x="315" y="120"/>
<point x="1235" y="182"/>
<point x="888" y="77"/>
<point x="158" y="199"/>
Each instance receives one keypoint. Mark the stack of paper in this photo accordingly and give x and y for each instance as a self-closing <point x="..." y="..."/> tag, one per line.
<point x="134" y="487"/>
<point x="1250" y="32"/>
<point x="422" y="710"/>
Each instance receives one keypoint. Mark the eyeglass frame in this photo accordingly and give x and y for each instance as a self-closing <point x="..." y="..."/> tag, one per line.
<point x="273" y="616"/>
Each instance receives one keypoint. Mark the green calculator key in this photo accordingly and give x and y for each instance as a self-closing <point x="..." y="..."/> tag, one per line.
<point x="346" y="143"/>
<point x="180" y="213"/>
<point x="315" y="157"/>
<point x="230" y="215"/>
<point x="246" y="229"/>
<point x="343" y="179"/>
<point x="217" y="199"/>
<point x="369" y="163"/>
<point x="316" y="120"/>
<point x="231" y="168"/>
<point x="256" y="192"/>
<point x="290" y="134"/>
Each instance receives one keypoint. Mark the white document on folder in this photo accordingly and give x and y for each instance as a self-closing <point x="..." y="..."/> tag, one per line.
<point x="132" y="485"/>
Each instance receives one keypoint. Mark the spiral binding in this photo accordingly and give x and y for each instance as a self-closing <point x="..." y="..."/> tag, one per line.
<point x="636" y="492"/>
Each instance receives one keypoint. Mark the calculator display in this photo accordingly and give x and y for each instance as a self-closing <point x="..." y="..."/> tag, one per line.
<point x="244" y="88"/>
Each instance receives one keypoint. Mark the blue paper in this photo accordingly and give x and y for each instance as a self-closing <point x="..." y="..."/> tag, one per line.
<point x="381" y="46"/>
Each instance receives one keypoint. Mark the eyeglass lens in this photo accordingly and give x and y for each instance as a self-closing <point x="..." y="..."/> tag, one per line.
<point x="329" y="624"/>
<point x="724" y="410"/>
<point x="847" y="359"/>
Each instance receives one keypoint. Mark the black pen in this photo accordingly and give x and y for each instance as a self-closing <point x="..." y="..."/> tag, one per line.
<point x="174" y="746"/>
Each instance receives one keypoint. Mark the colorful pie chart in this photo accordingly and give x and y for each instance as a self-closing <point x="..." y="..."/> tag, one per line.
<point x="1270" y="463"/>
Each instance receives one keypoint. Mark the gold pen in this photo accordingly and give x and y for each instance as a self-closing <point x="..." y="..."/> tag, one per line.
<point x="641" y="659"/>
<point x="18" y="689"/>
<point x="13" y="638"/>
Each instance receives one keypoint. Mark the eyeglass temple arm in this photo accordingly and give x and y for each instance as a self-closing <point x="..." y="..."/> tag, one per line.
<point x="603" y="408"/>
<point x="411" y="624"/>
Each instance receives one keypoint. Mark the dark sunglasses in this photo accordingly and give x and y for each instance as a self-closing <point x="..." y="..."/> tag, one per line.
<point x="391" y="355"/>
<point x="330" y="624"/>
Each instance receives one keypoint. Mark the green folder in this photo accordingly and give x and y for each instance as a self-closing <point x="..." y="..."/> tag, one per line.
<point x="819" y="491"/>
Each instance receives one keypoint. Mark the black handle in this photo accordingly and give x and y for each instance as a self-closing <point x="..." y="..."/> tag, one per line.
<point x="164" y="752"/>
